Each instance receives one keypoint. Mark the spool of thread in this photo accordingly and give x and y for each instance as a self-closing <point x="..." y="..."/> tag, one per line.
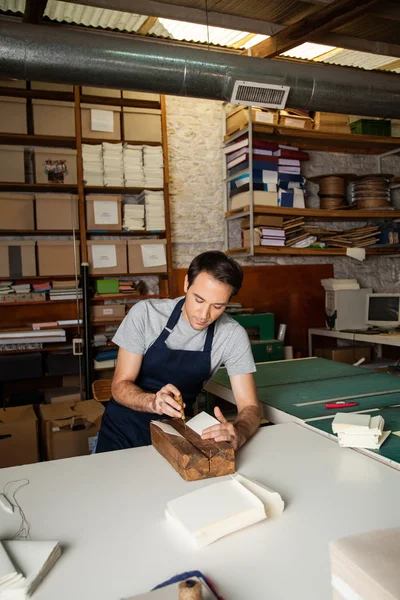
<point x="190" y="590"/>
<point x="288" y="352"/>
<point x="281" y="332"/>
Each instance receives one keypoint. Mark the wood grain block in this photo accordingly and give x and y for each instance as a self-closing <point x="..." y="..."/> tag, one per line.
<point x="192" y="457"/>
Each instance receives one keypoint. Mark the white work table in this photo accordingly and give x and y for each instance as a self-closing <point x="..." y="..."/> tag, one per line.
<point x="379" y="339"/>
<point x="107" y="511"/>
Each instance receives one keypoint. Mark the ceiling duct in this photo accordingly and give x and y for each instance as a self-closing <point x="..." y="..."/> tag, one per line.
<point x="260" y="94"/>
<point x="69" y="55"/>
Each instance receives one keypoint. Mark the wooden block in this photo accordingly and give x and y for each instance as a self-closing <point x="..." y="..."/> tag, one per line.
<point x="192" y="457"/>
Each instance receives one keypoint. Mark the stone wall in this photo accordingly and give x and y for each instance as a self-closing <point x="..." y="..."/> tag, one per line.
<point x="196" y="193"/>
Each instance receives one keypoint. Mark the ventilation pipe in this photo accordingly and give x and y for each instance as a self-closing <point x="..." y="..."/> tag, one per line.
<point x="52" y="53"/>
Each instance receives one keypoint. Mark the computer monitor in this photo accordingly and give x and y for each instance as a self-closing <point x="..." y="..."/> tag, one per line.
<point x="383" y="310"/>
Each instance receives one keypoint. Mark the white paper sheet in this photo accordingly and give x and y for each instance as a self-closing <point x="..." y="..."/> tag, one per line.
<point x="153" y="255"/>
<point x="201" y="422"/>
<point x="167" y="428"/>
<point x="102" y="120"/>
<point x="105" y="212"/>
<point x="298" y="198"/>
<point x="104" y="256"/>
<point x="357" y="253"/>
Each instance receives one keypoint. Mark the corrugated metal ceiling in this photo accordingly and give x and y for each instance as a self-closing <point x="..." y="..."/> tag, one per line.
<point x="275" y="10"/>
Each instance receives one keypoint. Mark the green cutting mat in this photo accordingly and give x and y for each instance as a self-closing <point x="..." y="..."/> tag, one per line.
<point x="389" y="449"/>
<point x="285" y="397"/>
<point x="296" y="371"/>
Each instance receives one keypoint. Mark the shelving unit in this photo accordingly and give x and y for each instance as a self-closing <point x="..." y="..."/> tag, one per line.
<point x="80" y="308"/>
<point x="379" y="146"/>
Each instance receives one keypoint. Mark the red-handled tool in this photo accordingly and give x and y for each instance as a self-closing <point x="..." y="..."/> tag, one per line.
<point x="342" y="404"/>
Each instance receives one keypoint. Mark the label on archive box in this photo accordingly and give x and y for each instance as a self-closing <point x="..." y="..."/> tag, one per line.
<point x="264" y="117"/>
<point x="105" y="212"/>
<point x="299" y="123"/>
<point x="153" y="255"/>
<point x="102" y="120"/>
<point x="104" y="256"/>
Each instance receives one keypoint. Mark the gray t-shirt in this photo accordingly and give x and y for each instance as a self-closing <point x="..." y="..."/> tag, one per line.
<point x="146" y="319"/>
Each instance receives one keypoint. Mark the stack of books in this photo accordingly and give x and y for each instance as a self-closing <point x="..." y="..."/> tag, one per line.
<point x="133" y="166"/>
<point x="92" y="155"/>
<point x="21" y="288"/>
<point x="274" y="231"/>
<point x="277" y="179"/>
<point x="113" y="165"/>
<point x="65" y="290"/>
<point x="359" y="237"/>
<point x="359" y="430"/>
<point x="133" y="214"/>
<point x="154" y="210"/>
<point x="41" y="287"/>
<point x="153" y="164"/>
<point x="5" y="291"/>
<point x="129" y="286"/>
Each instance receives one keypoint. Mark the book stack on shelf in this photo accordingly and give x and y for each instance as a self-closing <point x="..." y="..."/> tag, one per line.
<point x="153" y="164"/>
<point x="154" y="210"/>
<point x="113" y="165"/>
<point x="134" y="218"/>
<point x="274" y="231"/>
<point x="133" y="166"/>
<point x="65" y="290"/>
<point x="92" y="155"/>
<point x="276" y="171"/>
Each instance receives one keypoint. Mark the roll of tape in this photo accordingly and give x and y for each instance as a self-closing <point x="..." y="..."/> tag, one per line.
<point x="288" y="352"/>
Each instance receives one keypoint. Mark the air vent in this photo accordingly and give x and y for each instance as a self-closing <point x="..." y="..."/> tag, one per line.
<point x="260" y="94"/>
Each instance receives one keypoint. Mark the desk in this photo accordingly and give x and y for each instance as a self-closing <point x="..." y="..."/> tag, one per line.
<point x="379" y="339"/>
<point x="107" y="511"/>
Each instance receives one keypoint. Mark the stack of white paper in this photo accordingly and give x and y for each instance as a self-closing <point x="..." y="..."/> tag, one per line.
<point x="133" y="218"/>
<point x="214" y="511"/>
<point x="133" y="166"/>
<point x="113" y="165"/>
<point x="93" y="164"/>
<point x="33" y="559"/>
<point x="153" y="166"/>
<point x="9" y="574"/>
<point x="154" y="209"/>
<point x="359" y="430"/>
<point x="340" y="284"/>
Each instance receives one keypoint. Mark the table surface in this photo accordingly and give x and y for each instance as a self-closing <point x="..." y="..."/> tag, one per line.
<point x="380" y="338"/>
<point x="107" y="511"/>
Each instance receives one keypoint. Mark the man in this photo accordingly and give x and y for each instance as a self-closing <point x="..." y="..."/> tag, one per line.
<point x="171" y="347"/>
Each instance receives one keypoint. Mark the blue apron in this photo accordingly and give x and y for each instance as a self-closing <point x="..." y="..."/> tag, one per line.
<point x="123" y="427"/>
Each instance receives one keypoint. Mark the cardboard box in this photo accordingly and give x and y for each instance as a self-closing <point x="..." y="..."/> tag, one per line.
<point x="70" y="428"/>
<point x="88" y="132"/>
<point x="13" y="115"/>
<point x="51" y="117"/>
<point x="13" y="83"/>
<point x="12" y="168"/>
<point x="102" y="312"/>
<point x="57" y="211"/>
<point x="18" y="436"/>
<point x="51" y="87"/>
<point x="348" y="355"/>
<point x="62" y="394"/>
<point x="17" y="259"/>
<point x="331" y="122"/>
<point x="142" y="125"/>
<point x="102" y="254"/>
<point x="103" y="212"/>
<point x="96" y="91"/>
<point x="58" y="257"/>
<point x="289" y="118"/>
<point x="135" y="257"/>
<point x="16" y="211"/>
<point x="239" y="118"/>
<point x="65" y="156"/>
<point x="140" y="96"/>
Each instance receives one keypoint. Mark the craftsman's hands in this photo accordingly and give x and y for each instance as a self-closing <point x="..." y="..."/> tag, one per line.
<point x="164" y="402"/>
<point x="224" y="432"/>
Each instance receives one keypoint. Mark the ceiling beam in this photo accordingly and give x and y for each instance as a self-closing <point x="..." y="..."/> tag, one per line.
<point x="352" y="43"/>
<point x="183" y="13"/>
<point x="147" y="25"/>
<point x="34" y="11"/>
<point x="323" y="19"/>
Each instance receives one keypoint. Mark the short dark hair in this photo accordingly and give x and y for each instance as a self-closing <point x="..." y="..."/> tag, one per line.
<point x="218" y="265"/>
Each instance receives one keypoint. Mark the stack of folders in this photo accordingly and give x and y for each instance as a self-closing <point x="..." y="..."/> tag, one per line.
<point x="340" y="284"/>
<point x="154" y="210"/>
<point x="113" y="165"/>
<point x="153" y="166"/>
<point x="133" y="214"/>
<point x="49" y="336"/>
<point x="23" y="565"/>
<point x="359" y="430"/>
<point x="92" y="155"/>
<point x="65" y="290"/>
<point x="133" y="166"/>
<point x="273" y="231"/>
<point x="277" y="179"/>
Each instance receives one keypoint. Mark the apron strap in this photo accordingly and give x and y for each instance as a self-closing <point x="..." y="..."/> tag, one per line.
<point x="172" y="321"/>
